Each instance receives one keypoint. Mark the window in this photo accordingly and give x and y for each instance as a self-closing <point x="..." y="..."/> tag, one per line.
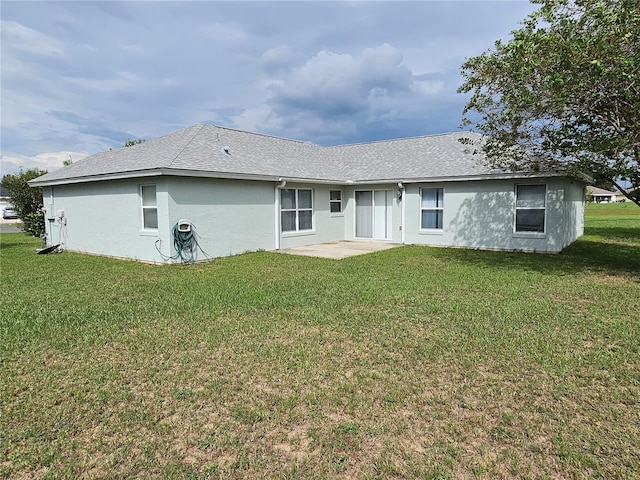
<point x="335" y="201"/>
<point x="530" y="208"/>
<point x="431" y="208"/>
<point x="296" y="209"/>
<point x="149" y="207"/>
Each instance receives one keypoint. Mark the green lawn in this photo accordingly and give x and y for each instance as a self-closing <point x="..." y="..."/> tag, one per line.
<point x="413" y="362"/>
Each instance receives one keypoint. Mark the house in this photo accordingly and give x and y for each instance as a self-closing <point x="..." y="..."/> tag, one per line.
<point x="600" y="195"/>
<point x="244" y="191"/>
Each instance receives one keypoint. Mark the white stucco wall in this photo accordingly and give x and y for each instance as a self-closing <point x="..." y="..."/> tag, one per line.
<point x="105" y="218"/>
<point x="230" y="216"/>
<point x="327" y="226"/>
<point x="396" y="211"/>
<point x="235" y="216"/>
<point x="480" y="214"/>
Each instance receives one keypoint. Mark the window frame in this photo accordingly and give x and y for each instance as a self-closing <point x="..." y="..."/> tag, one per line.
<point x="297" y="209"/>
<point x="334" y="202"/>
<point x="144" y="208"/>
<point x="530" y="233"/>
<point x="438" y="208"/>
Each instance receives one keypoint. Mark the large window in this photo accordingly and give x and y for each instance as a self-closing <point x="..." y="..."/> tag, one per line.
<point x="149" y="207"/>
<point x="530" y="208"/>
<point x="335" y="201"/>
<point x="296" y="209"/>
<point x="431" y="208"/>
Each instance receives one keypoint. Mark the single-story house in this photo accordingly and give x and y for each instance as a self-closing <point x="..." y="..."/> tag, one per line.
<point x="244" y="191"/>
<point x="600" y="195"/>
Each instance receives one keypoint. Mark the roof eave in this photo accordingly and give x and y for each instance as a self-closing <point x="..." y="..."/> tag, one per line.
<point x="279" y="178"/>
<point x="156" y="172"/>
<point x="179" y="173"/>
<point x="461" y="178"/>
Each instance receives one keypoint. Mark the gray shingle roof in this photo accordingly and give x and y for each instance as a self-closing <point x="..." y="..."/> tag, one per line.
<point x="433" y="156"/>
<point x="200" y="149"/>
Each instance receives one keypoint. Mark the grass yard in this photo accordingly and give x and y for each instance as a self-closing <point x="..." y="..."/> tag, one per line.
<point x="413" y="362"/>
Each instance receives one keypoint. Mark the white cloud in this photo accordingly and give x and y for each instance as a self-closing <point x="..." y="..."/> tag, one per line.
<point x="278" y="58"/>
<point x="340" y="84"/>
<point x="50" y="161"/>
<point x="18" y="37"/>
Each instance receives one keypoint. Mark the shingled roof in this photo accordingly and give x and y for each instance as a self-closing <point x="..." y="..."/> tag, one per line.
<point x="213" y="151"/>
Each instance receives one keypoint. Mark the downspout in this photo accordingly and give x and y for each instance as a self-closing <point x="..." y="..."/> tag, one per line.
<point x="276" y="216"/>
<point x="48" y="224"/>
<point x="401" y="194"/>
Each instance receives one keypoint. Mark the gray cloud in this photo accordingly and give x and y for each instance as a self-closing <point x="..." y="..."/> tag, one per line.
<point x="334" y="92"/>
<point x="84" y="76"/>
<point x="337" y="97"/>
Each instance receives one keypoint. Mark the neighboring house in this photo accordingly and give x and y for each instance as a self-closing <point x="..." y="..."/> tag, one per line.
<point x="620" y="197"/>
<point x="246" y="191"/>
<point x="600" y="195"/>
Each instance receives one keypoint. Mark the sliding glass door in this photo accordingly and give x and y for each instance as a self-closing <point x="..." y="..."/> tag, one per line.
<point x="373" y="214"/>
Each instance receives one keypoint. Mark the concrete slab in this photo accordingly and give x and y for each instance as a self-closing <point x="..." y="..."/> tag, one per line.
<point x="339" y="250"/>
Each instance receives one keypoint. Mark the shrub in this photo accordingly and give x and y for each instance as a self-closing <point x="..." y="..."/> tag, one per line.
<point x="26" y="200"/>
<point x="33" y="223"/>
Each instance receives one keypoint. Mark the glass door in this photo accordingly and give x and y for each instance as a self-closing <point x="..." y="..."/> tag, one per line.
<point x="373" y="214"/>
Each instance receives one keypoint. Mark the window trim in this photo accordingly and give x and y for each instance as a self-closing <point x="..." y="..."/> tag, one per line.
<point x="340" y="212"/>
<point x="436" y="209"/>
<point x="144" y="207"/>
<point x="522" y="233"/>
<point x="297" y="211"/>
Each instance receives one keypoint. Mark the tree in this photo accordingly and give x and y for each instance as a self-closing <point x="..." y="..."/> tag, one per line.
<point x="26" y="200"/>
<point x="563" y="92"/>
<point x="131" y="143"/>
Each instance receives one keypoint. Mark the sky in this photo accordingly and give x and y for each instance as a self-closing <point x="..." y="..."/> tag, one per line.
<point x="80" y="77"/>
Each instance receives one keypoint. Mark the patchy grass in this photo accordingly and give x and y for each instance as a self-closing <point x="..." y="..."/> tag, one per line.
<point x="409" y="363"/>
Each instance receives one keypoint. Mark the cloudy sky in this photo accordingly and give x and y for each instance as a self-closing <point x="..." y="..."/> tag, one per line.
<point x="82" y="77"/>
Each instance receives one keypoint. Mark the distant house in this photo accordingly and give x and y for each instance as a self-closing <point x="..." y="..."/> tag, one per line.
<point x="620" y="197"/>
<point x="244" y="191"/>
<point x="600" y="195"/>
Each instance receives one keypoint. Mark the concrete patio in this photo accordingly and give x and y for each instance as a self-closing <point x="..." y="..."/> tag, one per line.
<point x="339" y="250"/>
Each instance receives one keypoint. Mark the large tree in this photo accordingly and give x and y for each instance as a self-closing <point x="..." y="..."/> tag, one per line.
<point x="26" y="200"/>
<point x="563" y="92"/>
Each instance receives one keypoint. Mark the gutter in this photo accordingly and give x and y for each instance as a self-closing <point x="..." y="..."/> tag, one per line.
<point x="273" y="178"/>
<point x="157" y="172"/>
<point x="462" y="178"/>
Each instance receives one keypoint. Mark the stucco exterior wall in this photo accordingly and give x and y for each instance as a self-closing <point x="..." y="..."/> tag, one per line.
<point x="327" y="226"/>
<point x="236" y="216"/>
<point x="481" y="214"/>
<point x="230" y="216"/>
<point x="105" y="218"/>
<point x="396" y="210"/>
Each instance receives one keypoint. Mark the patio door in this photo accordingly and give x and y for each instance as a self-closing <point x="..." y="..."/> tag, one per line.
<point x="373" y="214"/>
